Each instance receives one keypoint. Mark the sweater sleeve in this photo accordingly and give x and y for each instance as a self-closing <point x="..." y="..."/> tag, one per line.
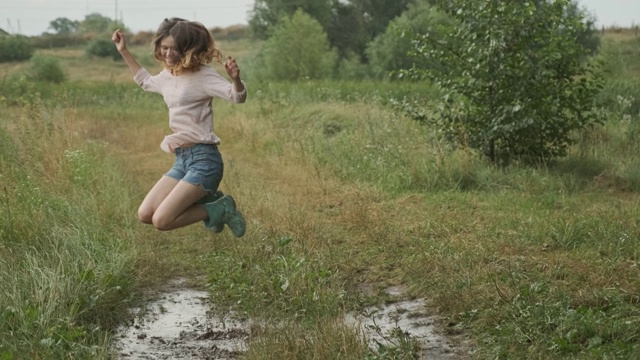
<point x="146" y="81"/>
<point x="217" y="86"/>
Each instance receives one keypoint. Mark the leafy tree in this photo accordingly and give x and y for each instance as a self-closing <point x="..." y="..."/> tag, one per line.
<point x="268" y="13"/>
<point x="298" y="49"/>
<point x="513" y="77"/>
<point x="347" y="31"/>
<point x="588" y="35"/>
<point x="96" y="23"/>
<point x="349" y="24"/>
<point x="63" y="26"/>
<point x="357" y="22"/>
<point x="390" y="52"/>
<point x="378" y="13"/>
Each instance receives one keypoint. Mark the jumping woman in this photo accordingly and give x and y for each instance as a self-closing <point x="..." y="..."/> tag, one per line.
<point x="188" y="192"/>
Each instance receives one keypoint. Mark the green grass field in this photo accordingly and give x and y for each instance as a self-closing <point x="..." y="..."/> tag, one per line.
<point x="340" y="191"/>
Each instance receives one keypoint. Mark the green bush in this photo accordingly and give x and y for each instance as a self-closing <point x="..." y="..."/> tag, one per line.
<point x="390" y="52"/>
<point x="103" y="48"/>
<point x="15" y="48"/>
<point x="351" y="68"/>
<point x="46" y="68"/>
<point x="514" y="81"/>
<point x="298" y="49"/>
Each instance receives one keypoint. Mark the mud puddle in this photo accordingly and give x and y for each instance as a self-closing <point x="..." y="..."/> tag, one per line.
<point x="382" y="324"/>
<point x="178" y="326"/>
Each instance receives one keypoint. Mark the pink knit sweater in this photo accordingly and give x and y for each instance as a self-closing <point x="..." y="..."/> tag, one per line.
<point x="188" y="97"/>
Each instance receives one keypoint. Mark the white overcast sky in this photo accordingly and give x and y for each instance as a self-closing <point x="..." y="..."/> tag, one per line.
<point x="32" y="17"/>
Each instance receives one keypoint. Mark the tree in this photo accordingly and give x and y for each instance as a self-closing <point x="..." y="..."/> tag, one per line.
<point x="267" y="14"/>
<point x="349" y="24"/>
<point x="347" y="31"/>
<point x="298" y="49"/>
<point x="513" y="77"/>
<point x="63" y="26"/>
<point x="390" y="52"/>
<point x="358" y="22"/>
<point x="588" y="36"/>
<point x="378" y="13"/>
<point x="96" y="23"/>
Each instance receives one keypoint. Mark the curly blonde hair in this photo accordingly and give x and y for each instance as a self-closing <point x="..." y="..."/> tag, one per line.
<point x="193" y="41"/>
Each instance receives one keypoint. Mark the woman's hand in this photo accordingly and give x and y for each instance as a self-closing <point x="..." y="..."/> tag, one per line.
<point x="232" y="68"/>
<point x="119" y="40"/>
<point x="121" y="45"/>
<point x="234" y="72"/>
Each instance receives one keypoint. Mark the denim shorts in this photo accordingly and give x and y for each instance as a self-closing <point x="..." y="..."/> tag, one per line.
<point x="200" y="164"/>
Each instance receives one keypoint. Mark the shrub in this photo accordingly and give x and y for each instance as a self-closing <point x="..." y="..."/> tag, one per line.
<point x="390" y="52"/>
<point x="514" y="79"/>
<point x="298" y="49"/>
<point x="15" y="48"/>
<point x="103" y="48"/>
<point x="46" y="68"/>
<point x="351" y="68"/>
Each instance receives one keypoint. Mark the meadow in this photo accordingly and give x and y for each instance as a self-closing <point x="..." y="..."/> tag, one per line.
<point x="342" y="192"/>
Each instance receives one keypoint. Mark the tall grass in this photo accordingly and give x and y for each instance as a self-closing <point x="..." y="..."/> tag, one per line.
<point x="66" y="253"/>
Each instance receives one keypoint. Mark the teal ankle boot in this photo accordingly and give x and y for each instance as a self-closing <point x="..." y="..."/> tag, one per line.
<point x="224" y="211"/>
<point x="218" y="226"/>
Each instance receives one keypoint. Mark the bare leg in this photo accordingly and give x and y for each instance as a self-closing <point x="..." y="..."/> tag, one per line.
<point x="178" y="209"/>
<point x="155" y="197"/>
<point x="170" y="204"/>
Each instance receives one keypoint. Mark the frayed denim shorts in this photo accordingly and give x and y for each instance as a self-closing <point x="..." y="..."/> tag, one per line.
<point x="200" y="164"/>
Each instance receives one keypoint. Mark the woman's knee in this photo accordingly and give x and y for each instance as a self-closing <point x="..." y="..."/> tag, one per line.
<point x="145" y="215"/>
<point x="162" y="222"/>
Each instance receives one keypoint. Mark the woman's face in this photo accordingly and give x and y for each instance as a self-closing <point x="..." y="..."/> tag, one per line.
<point x="168" y="50"/>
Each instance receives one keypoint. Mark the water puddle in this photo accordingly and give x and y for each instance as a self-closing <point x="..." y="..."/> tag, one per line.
<point x="178" y="326"/>
<point x="382" y="324"/>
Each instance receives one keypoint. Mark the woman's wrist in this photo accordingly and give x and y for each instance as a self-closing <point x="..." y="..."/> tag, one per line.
<point x="238" y="85"/>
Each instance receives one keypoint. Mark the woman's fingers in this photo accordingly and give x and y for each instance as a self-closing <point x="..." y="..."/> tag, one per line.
<point x="231" y="64"/>
<point x="117" y="36"/>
